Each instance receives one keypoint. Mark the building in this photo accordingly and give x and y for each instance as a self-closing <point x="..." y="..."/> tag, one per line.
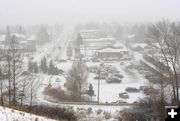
<point x="31" y="44"/>
<point x="22" y="42"/>
<point x="113" y="53"/>
<point x="93" y="40"/>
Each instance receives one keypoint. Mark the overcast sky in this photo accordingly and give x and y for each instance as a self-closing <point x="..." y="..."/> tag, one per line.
<point x="58" y="11"/>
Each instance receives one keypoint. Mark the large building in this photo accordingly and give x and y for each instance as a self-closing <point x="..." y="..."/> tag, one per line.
<point x="93" y="40"/>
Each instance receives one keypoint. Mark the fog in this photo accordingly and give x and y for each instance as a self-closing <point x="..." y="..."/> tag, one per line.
<point x="70" y="11"/>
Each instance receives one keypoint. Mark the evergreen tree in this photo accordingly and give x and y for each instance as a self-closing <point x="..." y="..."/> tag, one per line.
<point x="51" y="67"/>
<point x="21" y="30"/>
<point x="35" y="68"/>
<point x="43" y="65"/>
<point x="90" y="92"/>
<point x="30" y="66"/>
<point x="69" y="52"/>
<point x="8" y="35"/>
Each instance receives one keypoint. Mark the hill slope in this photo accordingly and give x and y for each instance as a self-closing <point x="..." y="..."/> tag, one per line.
<point x="7" y="114"/>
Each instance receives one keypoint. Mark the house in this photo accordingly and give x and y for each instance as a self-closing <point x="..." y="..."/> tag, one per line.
<point x="22" y="42"/>
<point x="31" y="44"/>
<point x="113" y="53"/>
<point x="140" y="47"/>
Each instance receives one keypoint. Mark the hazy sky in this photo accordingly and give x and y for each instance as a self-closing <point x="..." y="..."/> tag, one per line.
<point x="57" y="11"/>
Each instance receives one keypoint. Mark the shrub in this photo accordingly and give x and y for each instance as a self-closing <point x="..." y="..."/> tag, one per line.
<point x="107" y="115"/>
<point x="99" y="111"/>
<point x="89" y="110"/>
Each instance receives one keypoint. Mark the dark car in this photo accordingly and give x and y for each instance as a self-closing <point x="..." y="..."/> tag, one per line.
<point x="113" y="80"/>
<point x="124" y="95"/>
<point x="131" y="89"/>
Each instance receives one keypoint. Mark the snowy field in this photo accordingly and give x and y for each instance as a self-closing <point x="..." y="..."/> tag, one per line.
<point x="7" y="114"/>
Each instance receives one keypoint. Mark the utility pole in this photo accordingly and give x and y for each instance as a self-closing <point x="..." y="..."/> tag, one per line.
<point x="99" y="80"/>
<point x="99" y="83"/>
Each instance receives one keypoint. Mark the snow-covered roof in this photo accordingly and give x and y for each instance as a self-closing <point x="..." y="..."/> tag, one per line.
<point x="118" y="44"/>
<point x="23" y="42"/>
<point x="100" y="39"/>
<point x="112" y="49"/>
<point x="88" y="30"/>
<point x="19" y="35"/>
<point x="143" y="45"/>
<point x="33" y="37"/>
<point x="131" y="36"/>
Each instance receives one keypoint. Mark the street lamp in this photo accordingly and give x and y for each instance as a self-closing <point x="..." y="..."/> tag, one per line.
<point x="101" y="65"/>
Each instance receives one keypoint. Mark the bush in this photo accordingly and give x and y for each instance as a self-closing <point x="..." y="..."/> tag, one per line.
<point x="151" y="91"/>
<point x="141" y="88"/>
<point x="99" y="111"/>
<point x="53" y="112"/>
<point x="57" y="93"/>
<point x="89" y="110"/>
<point x="132" y="115"/>
<point x="107" y="115"/>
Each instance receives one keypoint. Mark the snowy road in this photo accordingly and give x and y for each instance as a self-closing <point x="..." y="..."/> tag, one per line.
<point x="56" y="49"/>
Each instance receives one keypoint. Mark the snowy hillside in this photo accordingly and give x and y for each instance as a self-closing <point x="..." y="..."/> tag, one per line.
<point x="7" y="114"/>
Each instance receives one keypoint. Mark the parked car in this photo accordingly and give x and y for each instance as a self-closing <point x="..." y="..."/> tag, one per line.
<point x="124" y="95"/>
<point x="62" y="60"/>
<point x="118" y="75"/>
<point x="113" y="80"/>
<point x="131" y="89"/>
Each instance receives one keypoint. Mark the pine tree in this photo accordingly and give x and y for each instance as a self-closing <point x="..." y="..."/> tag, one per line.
<point x="21" y="30"/>
<point x="91" y="91"/>
<point x="32" y="67"/>
<point x="69" y="52"/>
<point x="35" y="67"/>
<point x="8" y="35"/>
<point x="51" y="67"/>
<point x="43" y="66"/>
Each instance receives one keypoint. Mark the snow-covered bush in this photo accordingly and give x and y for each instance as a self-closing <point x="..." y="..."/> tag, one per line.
<point x="89" y="110"/>
<point x="107" y="115"/>
<point x="99" y="111"/>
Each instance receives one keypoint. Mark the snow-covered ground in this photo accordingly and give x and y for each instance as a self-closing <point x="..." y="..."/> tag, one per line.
<point x="7" y="114"/>
<point x="110" y="92"/>
<point x="56" y="50"/>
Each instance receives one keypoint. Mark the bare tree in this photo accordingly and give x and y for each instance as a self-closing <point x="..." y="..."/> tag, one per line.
<point x="23" y="89"/>
<point x="76" y="78"/>
<point x="1" y="87"/>
<point x="14" y="58"/>
<point x="166" y="36"/>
